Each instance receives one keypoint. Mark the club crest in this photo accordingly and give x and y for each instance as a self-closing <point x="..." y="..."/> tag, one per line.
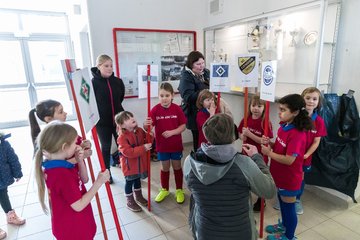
<point x="246" y="64"/>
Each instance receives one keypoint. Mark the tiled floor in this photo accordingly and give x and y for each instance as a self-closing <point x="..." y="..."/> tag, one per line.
<point x="322" y="220"/>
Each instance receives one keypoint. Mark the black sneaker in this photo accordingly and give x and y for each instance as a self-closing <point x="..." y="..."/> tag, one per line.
<point x="257" y="205"/>
<point x="111" y="181"/>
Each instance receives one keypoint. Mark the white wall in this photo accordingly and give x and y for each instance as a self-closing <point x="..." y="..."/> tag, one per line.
<point x="154" y="14"/>
<point x="347" y="70"/>
<point x="238" y="9"/>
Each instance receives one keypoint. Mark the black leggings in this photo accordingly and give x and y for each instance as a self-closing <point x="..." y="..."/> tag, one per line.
<point x="105" y="134"/>
<point x="195" y="135"/>
<point x="129" y="184"/>
<point x="4" y="200"/>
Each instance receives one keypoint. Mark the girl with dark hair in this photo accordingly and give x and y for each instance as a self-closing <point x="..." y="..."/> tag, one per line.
<point x="46" y="111"/>
<point x="49" y="111"/>
<point x="194" y="78"/>
<point x="287" y="158"/>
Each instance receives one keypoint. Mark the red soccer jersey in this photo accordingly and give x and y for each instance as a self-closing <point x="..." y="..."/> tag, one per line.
<point x="292" y="142"/>
<point x="65" y="188"/>
<point x="319" y="131"/>
<point x="201" y="117"/>
<point x="255" y="126"/>
<point x="165" y="119"/>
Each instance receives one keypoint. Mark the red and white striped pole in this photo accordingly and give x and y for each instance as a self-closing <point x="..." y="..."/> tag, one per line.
<point x="148" y="134"/>
<point x="101" y="160"/>
<point x="266" y="133"/>
<point x="83" y="135"/>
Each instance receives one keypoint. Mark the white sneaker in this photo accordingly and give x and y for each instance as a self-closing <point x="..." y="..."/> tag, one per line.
<point x="298" y="207"/>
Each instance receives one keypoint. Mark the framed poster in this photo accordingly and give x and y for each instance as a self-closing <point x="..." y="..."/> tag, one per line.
<point x="167" y="49"/>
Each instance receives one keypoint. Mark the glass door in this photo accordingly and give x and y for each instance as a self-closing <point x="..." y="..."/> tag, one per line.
<point x="14" y="97"/>
<point x="30" y="64"/>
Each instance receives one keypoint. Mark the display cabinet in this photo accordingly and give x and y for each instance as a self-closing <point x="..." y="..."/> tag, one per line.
<point x="302" y="39"/>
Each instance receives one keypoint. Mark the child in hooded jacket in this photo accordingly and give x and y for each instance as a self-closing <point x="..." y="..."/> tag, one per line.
<point x="133" y="145"/>
<point x="10" y="170"/>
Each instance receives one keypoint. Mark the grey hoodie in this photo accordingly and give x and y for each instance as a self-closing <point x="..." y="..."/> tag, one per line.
<point x="220" y="180"/>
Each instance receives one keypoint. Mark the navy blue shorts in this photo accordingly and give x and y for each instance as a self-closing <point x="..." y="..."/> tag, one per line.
<point x="164" y="156"/>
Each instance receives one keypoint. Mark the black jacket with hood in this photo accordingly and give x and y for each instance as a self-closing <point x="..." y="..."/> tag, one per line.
<point x="189" y="87"/>
<point x="103" y="96"/>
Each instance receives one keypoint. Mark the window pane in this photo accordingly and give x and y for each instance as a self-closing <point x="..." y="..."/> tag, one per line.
<point x="45" y="59"/>
<point x="8" y="22"/>
<point x="59" y="94"/>
<point x="11" y="63"/>
<point x="44" y="24"/>
<point x="17" y="103"/>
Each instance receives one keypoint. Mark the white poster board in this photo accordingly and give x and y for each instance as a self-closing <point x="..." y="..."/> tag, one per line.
<point x="86" y="98"/>
<point x="219" y="78"/>
<point x="247" y="70"/>
<point x="143" y="78"/>
<point x="268" y="81"/>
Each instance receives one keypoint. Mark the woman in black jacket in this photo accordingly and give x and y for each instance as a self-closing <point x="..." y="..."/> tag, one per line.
<point x="194" y="78"/>
<point x="109" y="92"/>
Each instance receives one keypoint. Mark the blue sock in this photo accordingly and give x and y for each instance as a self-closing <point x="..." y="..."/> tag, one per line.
<point x="289" y="219"/>
<point x="301" y="190"/>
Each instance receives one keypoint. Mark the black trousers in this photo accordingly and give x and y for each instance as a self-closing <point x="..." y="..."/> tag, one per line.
<point x="195" y="135"/>
<point x="105" y="134"/>
<point x="4" y="200"/>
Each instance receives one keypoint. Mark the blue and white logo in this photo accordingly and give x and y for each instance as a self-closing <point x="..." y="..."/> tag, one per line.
<point x="220" y="71"/>
<point x="268" y="75"/>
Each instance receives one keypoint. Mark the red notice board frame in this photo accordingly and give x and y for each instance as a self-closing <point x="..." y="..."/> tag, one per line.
<point x="135" y="38"/>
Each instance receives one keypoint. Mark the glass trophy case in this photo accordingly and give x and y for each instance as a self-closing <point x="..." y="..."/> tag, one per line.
<point x="301" y="39"/>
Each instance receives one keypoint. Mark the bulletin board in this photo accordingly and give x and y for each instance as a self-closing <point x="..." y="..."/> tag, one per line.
<point x="168" y="49"/>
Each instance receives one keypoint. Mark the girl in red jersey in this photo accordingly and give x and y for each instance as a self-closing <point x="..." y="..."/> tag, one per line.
<point x="253" y="133"/>
<point x="287" y="158"/>
<point x="71" y="213"/>
<point x="206" y="104"/>
<point x="169" y="121"/>
<point x="206" y="109"/>
<point x="312" y="97"/>
<point x="133" y="147"/>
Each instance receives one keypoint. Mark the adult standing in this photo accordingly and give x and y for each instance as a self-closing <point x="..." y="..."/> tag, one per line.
<point x="109" y="93"/>
<point x="194" y="78"/>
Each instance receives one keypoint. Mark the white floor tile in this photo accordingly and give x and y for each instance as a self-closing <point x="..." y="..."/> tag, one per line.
<point x="144" y="229"/>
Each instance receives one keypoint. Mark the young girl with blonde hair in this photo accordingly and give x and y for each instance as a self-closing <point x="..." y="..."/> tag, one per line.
<point x="71" y="213"/>
<point x="312" y="97"/>
<point x="254" y="131"/>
